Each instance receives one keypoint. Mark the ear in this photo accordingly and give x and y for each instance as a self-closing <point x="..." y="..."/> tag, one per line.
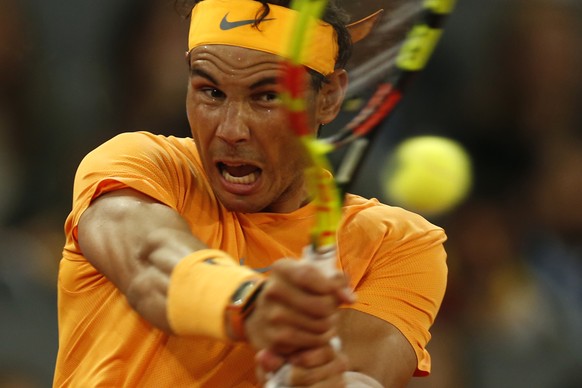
<point x="360" y="29"/>
<point x="331" y="96"/>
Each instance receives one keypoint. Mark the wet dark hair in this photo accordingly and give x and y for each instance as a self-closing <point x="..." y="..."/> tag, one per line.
<point x="333" y="15"/>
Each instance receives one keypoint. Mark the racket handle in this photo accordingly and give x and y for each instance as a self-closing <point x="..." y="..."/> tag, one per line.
<point x="279" y="378"/>
<point x="325" y="261"/>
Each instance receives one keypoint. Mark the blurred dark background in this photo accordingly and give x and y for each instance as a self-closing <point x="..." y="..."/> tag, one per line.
<point x="506" y="82"/>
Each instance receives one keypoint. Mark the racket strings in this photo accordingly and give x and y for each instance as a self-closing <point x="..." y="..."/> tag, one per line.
<point x="382" y="66"/>
<point x="384" y="43"/>
<point x="384" y="69"/>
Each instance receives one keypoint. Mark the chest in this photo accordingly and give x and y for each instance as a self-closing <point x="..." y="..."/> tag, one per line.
<point x="255" y="240"/>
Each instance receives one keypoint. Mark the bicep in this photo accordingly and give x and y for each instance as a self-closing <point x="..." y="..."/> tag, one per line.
<point x="135" y="242"/>
<point x="376" y="348"/>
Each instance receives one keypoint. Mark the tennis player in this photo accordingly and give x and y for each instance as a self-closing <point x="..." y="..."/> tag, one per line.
<point x="182" y="259"/>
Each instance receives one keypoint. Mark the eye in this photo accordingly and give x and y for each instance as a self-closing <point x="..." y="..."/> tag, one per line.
<point x="268" y="97"/>
<point x="213" y="93"/>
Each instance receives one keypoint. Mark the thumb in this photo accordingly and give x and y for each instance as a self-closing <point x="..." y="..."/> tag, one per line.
<point x="269" y="361"/>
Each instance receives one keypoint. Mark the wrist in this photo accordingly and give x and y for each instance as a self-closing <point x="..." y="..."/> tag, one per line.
<point x="201" y="287"/>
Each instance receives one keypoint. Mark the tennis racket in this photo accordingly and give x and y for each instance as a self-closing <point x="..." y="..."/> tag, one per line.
<point x="407" y="38"/>
<point x="322" y="250"/>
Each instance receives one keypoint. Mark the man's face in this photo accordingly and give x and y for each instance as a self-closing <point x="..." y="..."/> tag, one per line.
<point x="253" y="160"/>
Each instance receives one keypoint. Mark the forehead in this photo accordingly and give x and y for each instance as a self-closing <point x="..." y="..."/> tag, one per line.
<point x="229" y="59"/>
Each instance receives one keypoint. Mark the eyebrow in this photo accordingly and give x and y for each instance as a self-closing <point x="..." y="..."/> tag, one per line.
<point x="258" y="84"/>
<point x="265" y="81"/>
<point x="203" y="74"/>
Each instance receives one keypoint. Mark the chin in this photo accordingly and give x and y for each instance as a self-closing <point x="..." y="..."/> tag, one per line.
<point x="241" y="204"/>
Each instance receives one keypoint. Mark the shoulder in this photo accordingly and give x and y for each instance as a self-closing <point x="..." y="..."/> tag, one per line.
<point x="131" y="151"/>
<point x="375" y="235"/>
<point x="374" y="217"/>
<point x="135" y="143"/>
<point x="162" y="167"/>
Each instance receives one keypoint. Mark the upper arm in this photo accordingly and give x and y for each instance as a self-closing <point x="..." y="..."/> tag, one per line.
<point x="135" y="242"/>
<point x="386" y="331"/>
<point x="397" y="267"/>
<point x="376" y="348"/>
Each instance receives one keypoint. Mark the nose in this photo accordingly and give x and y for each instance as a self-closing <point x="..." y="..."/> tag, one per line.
<point x="233" y="128"/>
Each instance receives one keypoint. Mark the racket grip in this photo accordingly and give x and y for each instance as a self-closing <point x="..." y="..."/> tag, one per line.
<point x="279" y="378"/>
<point x="325" y="260"/>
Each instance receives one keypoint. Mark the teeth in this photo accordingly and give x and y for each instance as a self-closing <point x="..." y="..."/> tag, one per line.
<point x="241" y="180"/>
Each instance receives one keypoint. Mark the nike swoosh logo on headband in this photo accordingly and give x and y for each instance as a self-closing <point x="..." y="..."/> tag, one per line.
<point x="226" y="25"/>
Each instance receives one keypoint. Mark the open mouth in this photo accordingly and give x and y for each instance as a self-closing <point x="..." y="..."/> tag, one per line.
<point x="240" y="174"/>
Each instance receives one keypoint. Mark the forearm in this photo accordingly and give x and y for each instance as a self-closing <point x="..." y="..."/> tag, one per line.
<point x="176" y="283"/>
<point x="147" y="290"/>
<point x="137" y="244"/>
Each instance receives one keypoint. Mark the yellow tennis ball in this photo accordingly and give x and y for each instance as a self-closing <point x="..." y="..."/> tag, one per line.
<point x="427" y="174"/>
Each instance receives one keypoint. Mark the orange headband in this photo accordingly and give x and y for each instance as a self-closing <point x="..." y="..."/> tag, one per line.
<point x="230" y="22"/>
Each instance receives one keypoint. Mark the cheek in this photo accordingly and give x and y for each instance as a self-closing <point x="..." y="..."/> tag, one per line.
<point x="286" y="145"/>
<point x="291" y="155"/>
<point x="201" y="121"/>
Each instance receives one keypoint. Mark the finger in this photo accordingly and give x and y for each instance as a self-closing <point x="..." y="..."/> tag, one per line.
<point x="268" y="360"/>
<point x="308" y="277"/>
<point x="329" y="374"/>
<point x="313" y="357"/>
<point x="285" y="331"/>
<point x="285" y="304"/>
<point x="266" y="363"/>
<point x="288" y="340"/>
<point x="345" y="294"/>
<point x="288" y="288"/>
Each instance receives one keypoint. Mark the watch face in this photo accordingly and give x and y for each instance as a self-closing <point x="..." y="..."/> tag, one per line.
<point x="242" y="292"/>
